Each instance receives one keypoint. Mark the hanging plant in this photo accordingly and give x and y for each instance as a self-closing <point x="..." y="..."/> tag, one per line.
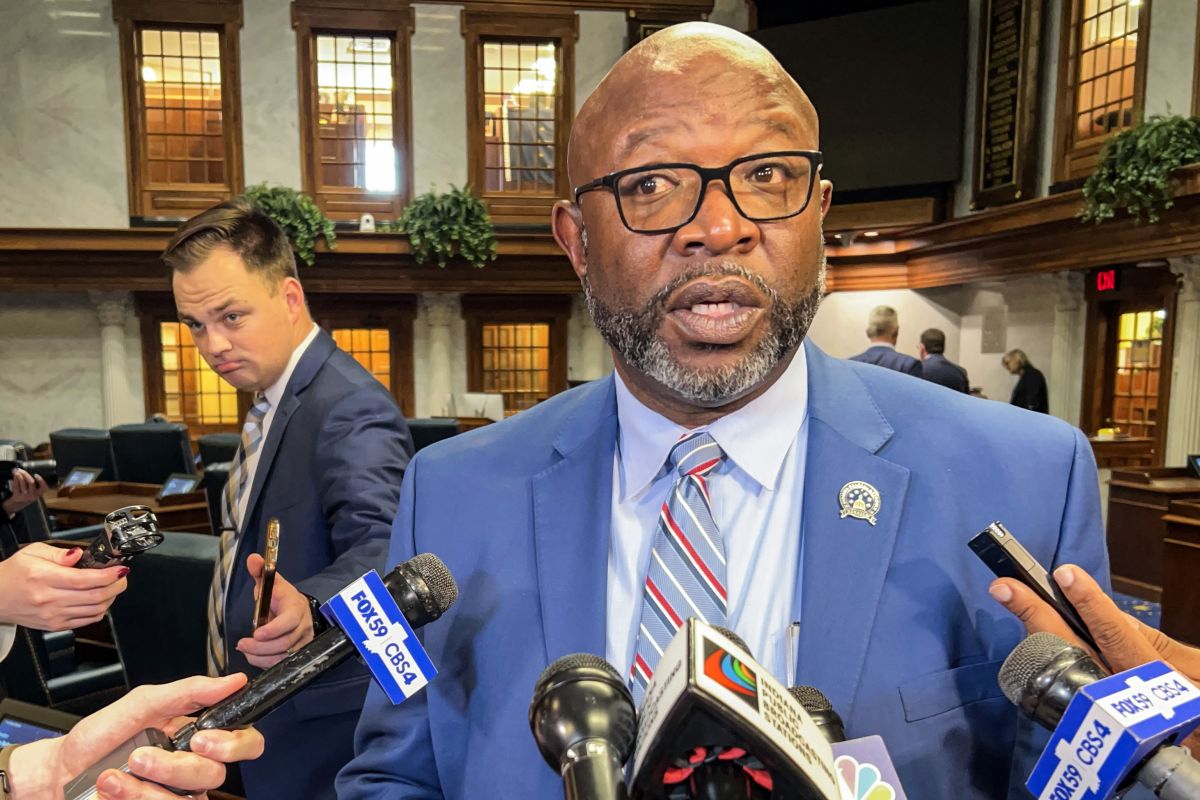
<point x="1135" y="169"/>
<point x="297" y="214"/>
<point x="439" y="224"/>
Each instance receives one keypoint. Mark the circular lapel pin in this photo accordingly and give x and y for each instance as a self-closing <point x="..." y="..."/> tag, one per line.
<point x="860" y="500"/>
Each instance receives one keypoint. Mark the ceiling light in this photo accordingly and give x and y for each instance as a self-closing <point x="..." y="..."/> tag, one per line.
<point x="870" y="234"/>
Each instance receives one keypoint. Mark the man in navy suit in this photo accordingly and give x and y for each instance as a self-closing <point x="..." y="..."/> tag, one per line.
<point x="826" y="520"/>
<point x="883" y="329"/>
<point x="936" y="367"/>
<point x="324" y="449"/>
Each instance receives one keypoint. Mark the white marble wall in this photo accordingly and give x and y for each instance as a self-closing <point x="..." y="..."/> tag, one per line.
<point x="439" y="101"/>
<point x="270" y="104"/>
<point x="601" y="42"/>
<point x="62" y="130"/>
<point x="51" y="376"/>
<point x="1172" y="53"/>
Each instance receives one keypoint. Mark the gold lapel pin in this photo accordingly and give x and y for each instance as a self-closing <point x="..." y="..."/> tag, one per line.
<point x="860" y="500"/>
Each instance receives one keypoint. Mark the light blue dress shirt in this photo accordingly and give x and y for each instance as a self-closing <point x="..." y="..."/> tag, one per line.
<point x="756" y="498"/>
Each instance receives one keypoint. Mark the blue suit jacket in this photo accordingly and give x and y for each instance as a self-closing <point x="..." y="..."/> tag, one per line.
<point x="887" y="357"/>
<point x="941" y="370"/>
<point x="896" y="628"/>
<point x="330" y="471"/>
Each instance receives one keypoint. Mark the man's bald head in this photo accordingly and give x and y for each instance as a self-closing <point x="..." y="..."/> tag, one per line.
<point x="686" y="65"/>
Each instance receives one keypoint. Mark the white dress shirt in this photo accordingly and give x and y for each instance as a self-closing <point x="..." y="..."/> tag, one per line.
<point x="8" y="635"/>
<point x="756" y="499"/>
<point x="274" y="394"/>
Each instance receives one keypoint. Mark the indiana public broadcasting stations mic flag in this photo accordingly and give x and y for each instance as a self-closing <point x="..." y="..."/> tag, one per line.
<point x="372" y="620"/>
<point x="1109" y="727"/>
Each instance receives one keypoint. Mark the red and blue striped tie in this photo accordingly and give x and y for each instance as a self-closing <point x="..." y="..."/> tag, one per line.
<point x="686" y="577"/>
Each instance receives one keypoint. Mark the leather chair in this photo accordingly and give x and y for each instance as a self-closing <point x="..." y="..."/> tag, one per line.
<point x="427" y="431"/>
<point x="83" y="447"/>
<point x="160" y="623"/>
<point x="216" y="448"/>
<point x="215" y="478"/>
<point x="149" y="452"/>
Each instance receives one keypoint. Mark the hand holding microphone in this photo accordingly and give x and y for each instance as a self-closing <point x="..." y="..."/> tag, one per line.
<point x="41" y="588"/>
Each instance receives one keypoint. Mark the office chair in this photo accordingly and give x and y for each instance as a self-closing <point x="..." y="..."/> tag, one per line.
<point x="83" y="447"/>
<point x="218" y="447"/>
<point x="149" y="452"/>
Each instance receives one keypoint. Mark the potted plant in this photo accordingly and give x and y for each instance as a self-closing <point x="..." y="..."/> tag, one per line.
<point x="439" y="224"/>
<point x="297" y="214"/>
<point x="1135" y="169"/>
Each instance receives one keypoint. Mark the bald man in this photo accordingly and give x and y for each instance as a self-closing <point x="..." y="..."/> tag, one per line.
<point x="728" y="469"/>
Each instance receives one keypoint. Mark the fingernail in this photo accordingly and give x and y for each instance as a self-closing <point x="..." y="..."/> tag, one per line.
<point x="1065" y="576"/>
<point x="124" y="571"/>
<point x="1000" y="593"/>
<point x="138" y="762"/>
<point x="73" y="551"/>
<point x="109" y="785"/>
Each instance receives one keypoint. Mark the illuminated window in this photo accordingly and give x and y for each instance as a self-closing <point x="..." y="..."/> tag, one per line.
<point x="1138" y="368"/>
<point x="1103" y="84"/>
<point x="371" y="347"/>
<point x="192" y="392"/>
<point x="516" y="363"/>
<point x="354" y="107"/>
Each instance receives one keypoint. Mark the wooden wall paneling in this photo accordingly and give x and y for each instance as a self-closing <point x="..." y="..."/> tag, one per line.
<point x="552" y="309"/>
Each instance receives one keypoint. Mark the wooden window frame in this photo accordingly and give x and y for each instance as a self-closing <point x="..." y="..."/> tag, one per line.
<point x="222" y="15"/>
<point x="554" y="310"/>
<point x="1075" y="160"/>
<point x="394" y="18"/>
<point x="526" y="23"/>
<point x="394" y="312"/>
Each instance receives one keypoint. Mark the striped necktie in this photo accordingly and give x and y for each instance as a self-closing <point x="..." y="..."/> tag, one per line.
<point x="231" y="523"/>
<point x="686" y="577"/>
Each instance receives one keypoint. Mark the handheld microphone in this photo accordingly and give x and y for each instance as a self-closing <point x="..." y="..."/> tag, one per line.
<point x="711" y="709"/>
<point x="422" y="587"/>
<point x="127" y="532"/>
<point x="1108" y="729"/>
<point x="863" y="765"/>
<point x="583" y="721"/>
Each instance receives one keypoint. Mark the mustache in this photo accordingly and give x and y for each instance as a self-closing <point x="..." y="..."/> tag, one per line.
<point x="657" y="304"/>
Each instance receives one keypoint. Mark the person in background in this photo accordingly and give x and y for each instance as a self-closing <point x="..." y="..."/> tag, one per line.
<point x="936" y="367"/>
<point x="1030" y="391"/>
<point x="883" y="330"/>
<point x="39" y="770"/>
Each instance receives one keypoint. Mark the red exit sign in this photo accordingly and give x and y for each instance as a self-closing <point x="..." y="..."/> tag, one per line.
<point x="1106" y="280"/>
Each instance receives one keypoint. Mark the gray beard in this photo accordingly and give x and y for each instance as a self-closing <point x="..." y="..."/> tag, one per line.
<point x="634" y="335"/>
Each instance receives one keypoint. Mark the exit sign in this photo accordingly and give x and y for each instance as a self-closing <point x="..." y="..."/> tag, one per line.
<point x="1106" y="280"/>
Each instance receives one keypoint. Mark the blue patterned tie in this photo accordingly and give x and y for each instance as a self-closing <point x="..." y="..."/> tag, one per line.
<point x="686" y="577"/>
<point x="235" y="489"/>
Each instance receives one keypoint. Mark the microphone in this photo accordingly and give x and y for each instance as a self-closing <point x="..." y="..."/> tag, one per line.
<point x="712" y="712"/>
<point x="1108" y="729"/>
<point x="583" y="721"/>
<point x="863" y="765"/>
<point x="422" y="587"/>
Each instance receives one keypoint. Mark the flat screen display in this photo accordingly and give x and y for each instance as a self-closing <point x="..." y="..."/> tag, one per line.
<point x="18" y="731"/>
<point x="81" y="476"/>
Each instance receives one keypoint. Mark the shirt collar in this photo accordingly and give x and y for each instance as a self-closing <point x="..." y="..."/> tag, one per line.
<point x="274" y="392"/>
<point x="756" y="437"/>
<point x="888" y="345"/>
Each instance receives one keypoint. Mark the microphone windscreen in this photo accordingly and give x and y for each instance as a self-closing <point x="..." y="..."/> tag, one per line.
<point x="733" y="637"/>
<point x="1029" y="658"/>
<point x="577" y="661"/>
<point x="812" y="698"/>
<point x="438" y="578"/>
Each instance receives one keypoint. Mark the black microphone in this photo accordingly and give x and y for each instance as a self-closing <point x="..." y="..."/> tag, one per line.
<point x="423" y="588"/>
<point x="584" y="723"/>
<point x="821" y="710"/>
<point x="1042" y="675"/>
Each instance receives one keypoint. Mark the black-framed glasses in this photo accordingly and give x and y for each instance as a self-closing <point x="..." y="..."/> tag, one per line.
<point x="662" y="198"/>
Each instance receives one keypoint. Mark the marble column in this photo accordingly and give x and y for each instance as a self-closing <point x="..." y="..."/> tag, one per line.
<point x="1065" y="376"/>
<point x="114" y="310"/>
<point x="1183" y="421"/>
<point x="439" y="311"/>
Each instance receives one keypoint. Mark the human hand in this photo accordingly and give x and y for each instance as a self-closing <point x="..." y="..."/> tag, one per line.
<point x="1124" y="641"/>
<point x="25" y="488"/>
<point x="289" y="627"/>
<point x="41" y="769"/>
<point x="41" y="589"/>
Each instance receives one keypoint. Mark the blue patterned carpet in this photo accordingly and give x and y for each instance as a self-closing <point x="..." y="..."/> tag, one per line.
<point x="1147" y="612"/>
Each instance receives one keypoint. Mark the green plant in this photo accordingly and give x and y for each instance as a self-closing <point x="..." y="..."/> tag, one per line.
<point x="1135" y="169"/>
<point x="297" y="214"/>
<point x="438" y="224"/>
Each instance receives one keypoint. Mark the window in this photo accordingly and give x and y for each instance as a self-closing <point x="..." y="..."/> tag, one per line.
<point x="371" y="347"/>
<point x="192" y="392"/>
<point x="1139" y="364"/>
<point x="520" y="104"/>
<point x="378" y="332"/>
<point x="180" y="82"/>
<point x="1101" y="78"/>
<point x="354" y="115"/>
<point x="519" y="352"/>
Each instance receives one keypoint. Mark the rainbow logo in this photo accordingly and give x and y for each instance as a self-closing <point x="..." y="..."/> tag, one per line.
<point x="730" y="673"/>
<point x="862" y="781"/>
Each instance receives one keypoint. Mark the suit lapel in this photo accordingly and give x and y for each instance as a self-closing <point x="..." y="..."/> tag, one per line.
<point x="572" y="512"/>
<point x="845" y="559"/>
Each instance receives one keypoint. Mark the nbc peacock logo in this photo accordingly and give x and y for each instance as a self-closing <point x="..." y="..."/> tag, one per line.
<point x="729" y="672"/>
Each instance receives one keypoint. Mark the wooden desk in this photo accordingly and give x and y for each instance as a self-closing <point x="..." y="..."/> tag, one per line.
<point x="1123" y="452"/>
<point x="1181" y="572"/>
<point x="1137" y="501"/>
<point x="75" y="506"/>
